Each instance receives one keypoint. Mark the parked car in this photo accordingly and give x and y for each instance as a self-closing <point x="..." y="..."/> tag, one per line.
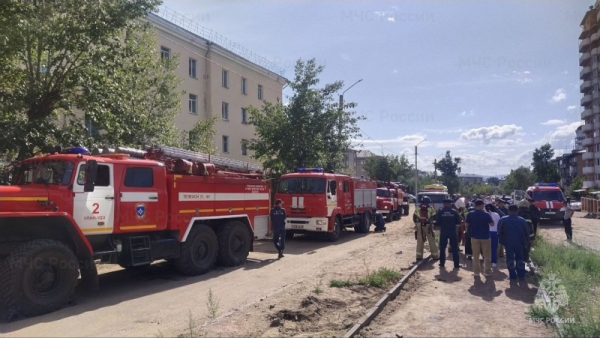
<point x="576" y="205"/>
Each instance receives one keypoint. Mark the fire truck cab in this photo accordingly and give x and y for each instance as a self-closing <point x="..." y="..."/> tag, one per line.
<point x="389" y="201"/>
<point x="316" y="201"/>
<point x="548" y="197"/>
<point x="437" y="193"/>
<point x="123" y="206"/>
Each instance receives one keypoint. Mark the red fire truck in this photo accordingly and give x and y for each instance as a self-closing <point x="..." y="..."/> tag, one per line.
<point x="316" y="201"/>
<point x="389" y="201"/>
<point x="123" y="206"/>
<point x="549" y="199"/>
<point x="405" y="202"/>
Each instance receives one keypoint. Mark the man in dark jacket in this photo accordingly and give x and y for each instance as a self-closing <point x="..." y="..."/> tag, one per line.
<point x="448" y="219"/>
<point x="512" y="232"/>
<point x="534" y="213"/>
<point x="278" y="222"/>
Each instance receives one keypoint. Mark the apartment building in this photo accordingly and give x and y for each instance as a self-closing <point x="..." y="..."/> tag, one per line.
<point x="589" y="47"/>
<point x="469" y="178"/>
<point x="219" y="78"/>
<point x="570" y="165"/>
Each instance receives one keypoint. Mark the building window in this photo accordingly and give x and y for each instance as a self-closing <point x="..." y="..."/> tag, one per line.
<point x="260" y="92"/>
<point x="244" y="81"/>
<point x="193" y="104"/>
<point x="244" y="116"/>
<point x="192" y="68"/>
<point x="225" y="78"/>
<point x="244" y="147"/>
<point x="225" y="142"/>
<point x="165" y="53"/>
<point x="225" y="111"/>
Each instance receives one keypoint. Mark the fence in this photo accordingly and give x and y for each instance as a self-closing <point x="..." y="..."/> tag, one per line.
<point x="590" y="205"/>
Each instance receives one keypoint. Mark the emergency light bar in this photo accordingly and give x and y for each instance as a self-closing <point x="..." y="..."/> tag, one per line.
<point x="76" y="150"/>
<point x="546" y="185"/>
<point x="306" y="170"/>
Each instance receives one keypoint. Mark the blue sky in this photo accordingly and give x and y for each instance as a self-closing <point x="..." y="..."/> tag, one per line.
<point x="488" y="80"/>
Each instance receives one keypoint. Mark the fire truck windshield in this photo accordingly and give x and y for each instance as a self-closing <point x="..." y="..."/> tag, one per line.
<point x="548" y="195"/>
<point x="48" y="172"/>
<point x="383" y="193"/>
<point x="302" y="185"/>
<point x="434" y="198"/>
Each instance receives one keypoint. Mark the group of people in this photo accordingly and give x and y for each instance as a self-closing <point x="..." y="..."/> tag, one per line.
<point x="485" y="227"/>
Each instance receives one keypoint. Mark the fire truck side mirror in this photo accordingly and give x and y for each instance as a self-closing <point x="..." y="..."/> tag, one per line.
<point x="91" y="173"/>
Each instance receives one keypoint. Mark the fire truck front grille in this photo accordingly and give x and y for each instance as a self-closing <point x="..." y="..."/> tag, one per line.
<point x="298" y="222"/>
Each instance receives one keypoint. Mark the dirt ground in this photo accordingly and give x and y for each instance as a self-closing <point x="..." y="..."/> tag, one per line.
<point x="586" y="232"/>
<point x="267" y="297"/>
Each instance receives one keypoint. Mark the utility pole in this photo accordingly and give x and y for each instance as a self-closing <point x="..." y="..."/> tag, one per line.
<point x="416" y="170"/>
<point x="341" y="107"/>
<point x="435" y="169"/>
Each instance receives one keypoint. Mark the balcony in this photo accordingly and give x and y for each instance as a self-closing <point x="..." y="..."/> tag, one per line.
<point x="585" y="86"/>
<point x="585" y="58"/>
<point x="588" y="170"/>
<point x="596" y="139"/>
<point x="585" y="72"/>
<point x="586" y="99"/>
<point x="584" y="45"/>
<point x="586" y="113"/>
<point x="587" y="156"/>
<point x="588" y="184"/>
<point x="587" y="142"/>
<point x="588" y="127"/>
<point x="595" y="95"/>
<point x="596" y="155"/>
<point x="596" y="109"/>
<point x="594" y="37"/>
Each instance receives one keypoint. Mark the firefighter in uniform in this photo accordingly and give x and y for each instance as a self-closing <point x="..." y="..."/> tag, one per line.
<point x="424" y="228"/>
<point x="448" y="220"/>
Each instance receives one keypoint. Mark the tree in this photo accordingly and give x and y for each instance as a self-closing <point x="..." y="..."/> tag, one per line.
<point x="449" y="169"/>
<point x="97" y="57"/>
<point x="493" y="181"/>
<point x="544" y="169"/>
<point x="576" y="184"/>
<point x="519" y="179"/>
<point x="305" y="132"/>
<point x="388" y="168"/>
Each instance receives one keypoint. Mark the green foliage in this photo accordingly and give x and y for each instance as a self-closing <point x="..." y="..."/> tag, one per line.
<point x="543" y="168"/>
<point x="341" y="283"/>
<point x="479" y="188"/>
<point x="389" y="168"/>
<point x="576" y="184"/>
<point x="449" y="169"/>
<point x="578" y="270"/>
<point x="97" y="58"/>
<point x="380" y="278"/>
<point x="200" y="138"/>
<point x="493" y="181"/>
<point x="519" y="179"/>
<point x="306" y="132"/>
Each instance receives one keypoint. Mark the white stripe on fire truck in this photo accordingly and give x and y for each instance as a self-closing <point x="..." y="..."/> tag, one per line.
<point x="208" y="196"/>
<point x="294" y="202"/>
<point x="193" y="211"/>
<point x="301" y="202"/>
<point x="139" y="197"/>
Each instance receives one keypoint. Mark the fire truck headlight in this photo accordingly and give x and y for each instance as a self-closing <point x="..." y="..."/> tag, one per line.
<point x="321" y="222"/>
<point x="385" y="206"/>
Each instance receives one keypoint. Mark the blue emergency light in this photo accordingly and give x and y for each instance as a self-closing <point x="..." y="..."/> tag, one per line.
<point x="546" y="185"/>
<point x="76" y="150"/>
<point x="306" y="170"/>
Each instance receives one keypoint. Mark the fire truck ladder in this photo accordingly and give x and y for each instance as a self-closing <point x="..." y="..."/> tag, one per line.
<point x="223" y="162"/>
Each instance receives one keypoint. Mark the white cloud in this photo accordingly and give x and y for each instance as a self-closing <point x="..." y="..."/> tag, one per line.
<point x="467" y="113"/>
<point x="486" y="134"/>
<point x="379" y="13"/>
<point x="554" y="123"/>
<point x="559" y="95"/>
<point x="526" y="72"/>
<point x="573" y="107"/>
<point x="525" y="80"/>
<point x="566" y="131"/>
<point x="391" y="19"/>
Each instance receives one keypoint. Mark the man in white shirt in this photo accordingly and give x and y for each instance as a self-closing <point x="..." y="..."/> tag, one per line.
<point x="567" y="220"/>
<point x="491" y="209"/>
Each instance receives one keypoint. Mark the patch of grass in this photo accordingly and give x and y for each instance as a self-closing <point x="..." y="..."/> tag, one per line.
<point x="212" y="305"/>
<point x="341" y="283"/>
<point x="578" y="270"/>
<point x="380" y="278"/>
<point x="191" y="329"/>
<point x="540" y="314"/>
<point x="318" y="290"/>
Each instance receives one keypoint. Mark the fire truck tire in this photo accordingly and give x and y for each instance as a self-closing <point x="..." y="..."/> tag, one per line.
<point x="38" y="277"/>
<point x="365" y="224"/>
<point x="405" y="210"/>
<point x="337" y="231"/>
<point x="234" y="244"/>
<point x="390" y="216"/>
<point x="199" y="252"/>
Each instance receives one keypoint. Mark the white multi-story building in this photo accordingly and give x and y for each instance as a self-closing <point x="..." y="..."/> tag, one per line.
<point x="589" y="47"/>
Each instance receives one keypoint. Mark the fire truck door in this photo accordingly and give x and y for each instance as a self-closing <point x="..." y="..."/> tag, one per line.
<point x="331" y="196"/>
<point x="139" y="201"/>
<point x="94" y="211"/>
<point x="347" y="196"/>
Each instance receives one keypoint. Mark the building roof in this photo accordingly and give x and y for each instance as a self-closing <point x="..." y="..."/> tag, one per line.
<point x="365" y="153"/>
<point x="469" y="176"/>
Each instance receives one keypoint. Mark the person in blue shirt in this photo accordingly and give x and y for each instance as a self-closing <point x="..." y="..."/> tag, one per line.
<point x="448" y="219"/>
<point x="278" y="222"/>
<point x="479" y="223"/>
<point x="512" y="232"/>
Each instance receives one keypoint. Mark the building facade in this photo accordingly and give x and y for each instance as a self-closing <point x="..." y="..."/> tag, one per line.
<point x="470" y="178"/>
<point x="217" y="83"/>
<point x="570" y="165"/>
<point x="589" y="47"/>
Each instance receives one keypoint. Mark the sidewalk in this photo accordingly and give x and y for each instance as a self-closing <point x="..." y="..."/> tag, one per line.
<point x="453" y="303"/>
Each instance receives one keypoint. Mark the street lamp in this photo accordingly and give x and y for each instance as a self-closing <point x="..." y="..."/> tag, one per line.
<point x="342" y="106"/>
<point x="417" y="171"/>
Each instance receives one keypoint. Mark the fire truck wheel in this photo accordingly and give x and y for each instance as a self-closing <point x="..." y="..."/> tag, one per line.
<point x="234" y="244"/>
<point x="365" y="224"/>
<point x="337" y="231"/>
<point x="38" y="277"/>
<point x="198" y="252"/>
<point x="390" y="216"/>
<point x="406" y="210"/>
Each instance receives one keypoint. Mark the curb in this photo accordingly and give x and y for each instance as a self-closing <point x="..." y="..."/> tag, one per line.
<point x="390" y="295"/>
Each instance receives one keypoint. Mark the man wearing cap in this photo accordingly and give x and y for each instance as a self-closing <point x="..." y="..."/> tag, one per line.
<point x="448" y="220"/>
<point x="278" y="223"/>
<point x="479" y="222"/>
<point x="424" y="229"/>
<point x="513" y="234"/>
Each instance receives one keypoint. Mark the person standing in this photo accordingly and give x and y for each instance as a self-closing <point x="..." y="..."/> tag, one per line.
<point x="468" y="247"/>
<point x="480" y="222"/>
<point x="278" y="223"/>
<point x="501" y="206"/>
<point x="448" y="219"/>
<point x="513" y="235"/>
<point x="567" y="220"/>
<point x="423" y="218"/>
<point x="491" y="209"/>
<point x="534" y="213"/>
<point x="523" y="211"/>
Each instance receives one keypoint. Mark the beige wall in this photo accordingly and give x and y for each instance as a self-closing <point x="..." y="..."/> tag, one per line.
<point x="207" y="86"/>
